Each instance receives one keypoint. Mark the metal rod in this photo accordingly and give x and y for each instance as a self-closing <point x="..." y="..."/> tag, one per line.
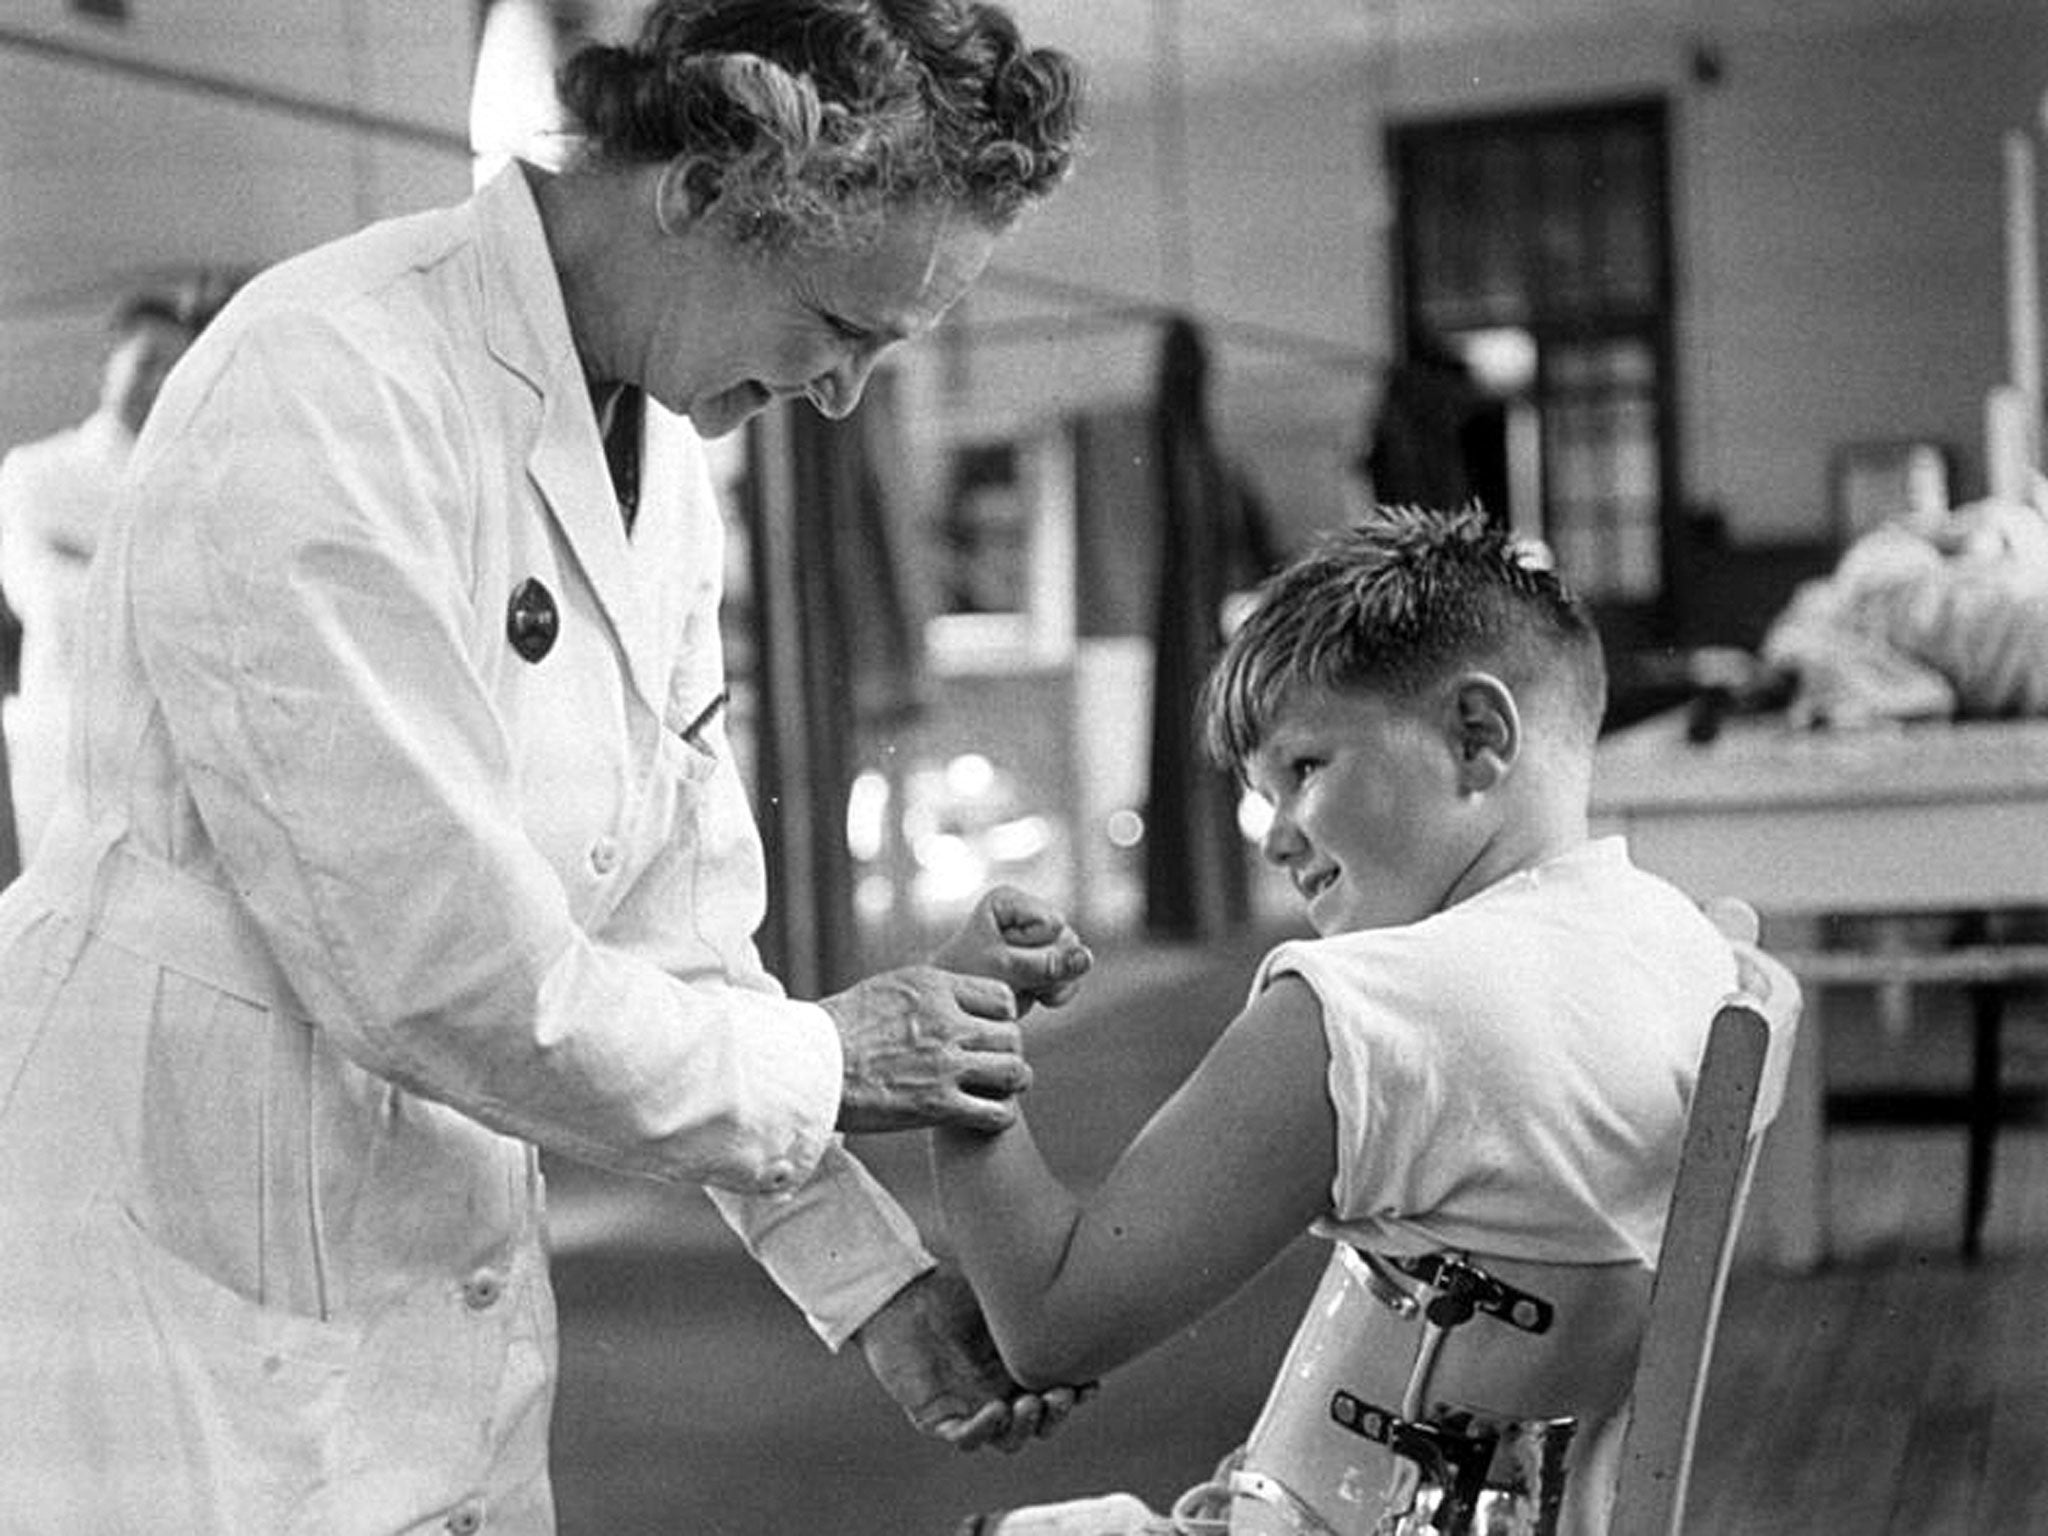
<point x="261" y="98"/>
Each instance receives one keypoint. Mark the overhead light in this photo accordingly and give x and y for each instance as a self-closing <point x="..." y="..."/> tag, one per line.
<point x="1502" y="359"/>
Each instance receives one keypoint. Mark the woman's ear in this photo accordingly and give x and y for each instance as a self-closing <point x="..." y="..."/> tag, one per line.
<point x="1488" y="731"/>
<point x="684" y="192"/>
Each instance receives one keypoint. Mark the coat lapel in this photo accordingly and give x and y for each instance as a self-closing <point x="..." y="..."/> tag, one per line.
<point x="568" y="469"/>
<point x="528" y="332"/>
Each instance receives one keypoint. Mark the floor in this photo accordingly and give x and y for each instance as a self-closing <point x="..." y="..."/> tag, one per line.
<point x="1899" y="1391"/>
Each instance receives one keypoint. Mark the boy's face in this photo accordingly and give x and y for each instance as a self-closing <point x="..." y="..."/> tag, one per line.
<point x="1372" y="819"/>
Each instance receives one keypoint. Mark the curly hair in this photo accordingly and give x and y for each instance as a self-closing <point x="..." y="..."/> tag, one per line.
<point x="821" y="116"/>
<point x="1396" y="604"/>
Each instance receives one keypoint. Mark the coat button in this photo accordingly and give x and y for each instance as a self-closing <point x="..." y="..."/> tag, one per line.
<point x="482" y="1290"/>
<point x="466" y="1519"/>
<point x="604" y="855"/>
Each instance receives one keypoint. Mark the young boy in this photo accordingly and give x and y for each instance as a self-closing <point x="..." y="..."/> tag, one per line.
<point x="1486" y="1055"/>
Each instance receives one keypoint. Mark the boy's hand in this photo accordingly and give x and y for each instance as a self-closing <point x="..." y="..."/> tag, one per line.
<point x="1021" y="941"/>
<point x="1735" y="917"/>
<point x="1740" y="925"/>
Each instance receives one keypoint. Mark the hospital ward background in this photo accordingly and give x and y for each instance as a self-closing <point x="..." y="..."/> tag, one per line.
<point x="1731" y="305"/>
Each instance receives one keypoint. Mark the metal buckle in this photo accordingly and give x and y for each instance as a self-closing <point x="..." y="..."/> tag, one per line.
<point x="1463" y="1457"/>
<point x="1453" y="1456"/>
<point x="1462" y="1288"/>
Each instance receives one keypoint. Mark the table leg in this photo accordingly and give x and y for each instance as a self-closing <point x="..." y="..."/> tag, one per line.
<point x="1987" y="1008"/>
<point x="1788" y="1204"/>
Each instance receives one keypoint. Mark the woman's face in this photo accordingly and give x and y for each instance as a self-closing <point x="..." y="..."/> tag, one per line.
<point x="743" y="328"/>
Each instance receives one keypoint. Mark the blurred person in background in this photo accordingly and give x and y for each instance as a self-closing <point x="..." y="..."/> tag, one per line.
<point x="405" y="839"/>
<point x="55" y="495"/>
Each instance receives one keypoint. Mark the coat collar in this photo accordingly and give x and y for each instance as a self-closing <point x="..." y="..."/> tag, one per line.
<point x="526" y="327"/>
<point x="525" y="323"/>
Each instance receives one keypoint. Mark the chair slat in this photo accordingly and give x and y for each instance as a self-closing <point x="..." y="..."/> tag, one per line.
<point x="1723" y="1130"/>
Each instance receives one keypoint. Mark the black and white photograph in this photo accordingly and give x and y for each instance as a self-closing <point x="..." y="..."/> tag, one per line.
<point x="1023" y="767"/>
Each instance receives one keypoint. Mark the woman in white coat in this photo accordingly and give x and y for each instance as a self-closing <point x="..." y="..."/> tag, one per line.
<point x="403" y="838"/>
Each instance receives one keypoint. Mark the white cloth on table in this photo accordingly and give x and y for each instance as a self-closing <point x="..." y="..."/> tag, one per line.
<point x="1908" y="627"/>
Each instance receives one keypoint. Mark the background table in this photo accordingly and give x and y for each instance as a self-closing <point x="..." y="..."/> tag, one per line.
<point x="1890" y="820"/>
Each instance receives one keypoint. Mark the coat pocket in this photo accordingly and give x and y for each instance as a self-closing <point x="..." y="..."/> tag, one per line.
<point x="237" y="1402"/>
<point x="693" y="737"/>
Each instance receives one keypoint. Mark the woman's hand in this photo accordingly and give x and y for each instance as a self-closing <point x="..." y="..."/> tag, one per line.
<point x="931" y="1351"/>
<point x="925" y="1047"/>
<point x="1022" y="942"/>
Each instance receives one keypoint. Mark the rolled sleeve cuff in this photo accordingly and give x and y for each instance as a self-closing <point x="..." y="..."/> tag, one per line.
<point x="807" y="1080"/>
<point x="839" y="1246"/>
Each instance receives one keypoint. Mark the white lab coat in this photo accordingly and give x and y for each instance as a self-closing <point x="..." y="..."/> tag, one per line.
<point x="351" y="906"/>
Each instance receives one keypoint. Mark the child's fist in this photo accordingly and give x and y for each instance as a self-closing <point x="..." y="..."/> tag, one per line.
<point x="1020" y="940"/>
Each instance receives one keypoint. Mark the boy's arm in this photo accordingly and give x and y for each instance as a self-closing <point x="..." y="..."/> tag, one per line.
<point x="929" y="1345"/>
<point x="1225" y="1175"/>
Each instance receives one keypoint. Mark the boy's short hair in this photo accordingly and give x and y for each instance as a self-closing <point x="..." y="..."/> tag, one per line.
<point x="1395" y="604"/>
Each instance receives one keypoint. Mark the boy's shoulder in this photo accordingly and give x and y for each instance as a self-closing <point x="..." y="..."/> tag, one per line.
<point x="1590" y="910"/>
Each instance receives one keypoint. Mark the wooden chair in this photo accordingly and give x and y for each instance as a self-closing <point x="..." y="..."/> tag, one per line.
<point x="10" y="844"/>
<point x="1741" y="1083"/>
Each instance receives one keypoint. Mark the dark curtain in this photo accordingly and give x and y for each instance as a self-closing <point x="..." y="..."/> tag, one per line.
<point x="877" y="649"/>
<point x="1215" y="539"/>
<point x="842" y="659"/>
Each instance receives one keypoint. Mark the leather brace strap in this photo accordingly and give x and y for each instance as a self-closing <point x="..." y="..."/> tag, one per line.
<point x="1301" y="1518"/>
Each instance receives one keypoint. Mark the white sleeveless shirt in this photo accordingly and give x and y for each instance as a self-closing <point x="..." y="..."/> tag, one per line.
<point x="1512" y="1074"/>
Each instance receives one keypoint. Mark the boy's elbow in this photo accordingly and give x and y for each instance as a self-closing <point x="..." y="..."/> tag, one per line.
<point x="1042" y="1371"/>
<point x="1042" y="1355"/>
<point x="1036" y="1365"/>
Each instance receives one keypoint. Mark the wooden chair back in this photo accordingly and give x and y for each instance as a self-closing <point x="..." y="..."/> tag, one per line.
<point x="1741" y="1083"/>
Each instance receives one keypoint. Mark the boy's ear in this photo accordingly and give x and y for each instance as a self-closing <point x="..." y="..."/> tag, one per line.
<point x="1488" y="729"/>
<point x="686" y="189"/>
